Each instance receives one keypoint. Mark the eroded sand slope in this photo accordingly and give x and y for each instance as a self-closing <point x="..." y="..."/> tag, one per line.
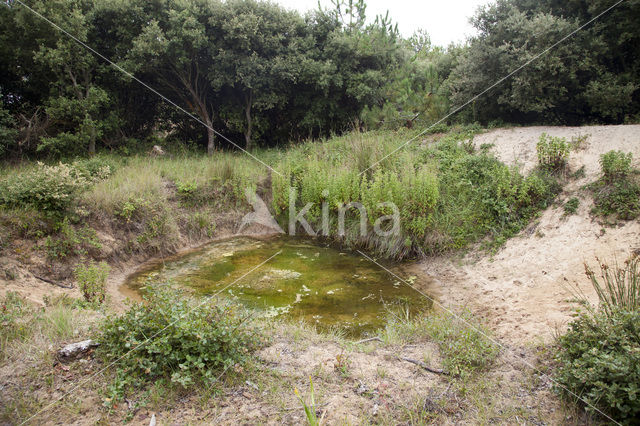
<point x="523" y="292"/>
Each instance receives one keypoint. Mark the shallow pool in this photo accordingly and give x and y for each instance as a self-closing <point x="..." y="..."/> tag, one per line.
<point x="315" y="283"/>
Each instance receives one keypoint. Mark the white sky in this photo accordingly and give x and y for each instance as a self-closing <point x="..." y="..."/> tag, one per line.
<point x="445" y="20"/>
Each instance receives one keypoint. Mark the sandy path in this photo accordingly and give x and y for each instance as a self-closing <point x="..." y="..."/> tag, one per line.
<point x="523" y="292"/>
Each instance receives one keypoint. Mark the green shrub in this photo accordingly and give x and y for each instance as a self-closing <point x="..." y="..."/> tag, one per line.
<point x="175" y="337"/>
<point x="600" y="354"/>
<point x="599" y="358"/>
<point x="70" y="241"/>
<point x="92" y="281"/>
<point x="620" y="198"/>
<point x="616" y="165"/>
<point x="553" y="152"/>
<point x="571" y="206"/>
<point x="95" y="168"/>
<point x="51" y="189"/>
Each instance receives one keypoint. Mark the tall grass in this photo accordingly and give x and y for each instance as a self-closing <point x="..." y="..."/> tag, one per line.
<point x="618" y="287"/>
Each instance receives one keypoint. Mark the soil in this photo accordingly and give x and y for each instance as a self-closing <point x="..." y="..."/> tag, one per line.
<point x="525" y="290"/>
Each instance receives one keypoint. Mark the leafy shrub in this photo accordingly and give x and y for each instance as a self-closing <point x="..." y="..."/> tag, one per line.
<point x="553" y="152"/>
<point x="571" y="206"/>
<point x="175" y="337"/>
<point x="95" y="168"/>
<point x="51" y="189"/>
<point x="599" y="358"/>
<point x="71" y="241"/>
<point x="616" y="165"/>
<point x="600" y="354"/>
<point x="92" y="281"/>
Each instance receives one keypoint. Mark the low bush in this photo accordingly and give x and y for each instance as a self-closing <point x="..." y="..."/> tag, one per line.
<point x="68" y="240"/>
<point x="615" y="165"/>
<point x="553" y="152"/>
<point x="617" y="193"/>
<point x="571" y="206"/>
<point x="600" y="353"/>
<point x="51" y="189"/>
<point x="175" y="337"/>
<point x="92" y="281"/>
<point x="95" y="168"/>
<point x="599" y="358"/>
<point x="447" y="194"/>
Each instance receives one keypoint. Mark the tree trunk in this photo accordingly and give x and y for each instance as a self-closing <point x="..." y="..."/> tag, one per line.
<point x="211" y="138"/>
<point x="247" y="113"/>
<point x="92" y="142"/>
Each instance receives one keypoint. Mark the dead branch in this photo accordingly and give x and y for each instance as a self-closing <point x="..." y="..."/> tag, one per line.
<point x="425" y="366"/>
<point x="370" y="339"/>
<point x="46" y="280"/>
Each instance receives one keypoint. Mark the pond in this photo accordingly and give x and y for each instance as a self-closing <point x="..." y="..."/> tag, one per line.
<point x="314" y="283"/>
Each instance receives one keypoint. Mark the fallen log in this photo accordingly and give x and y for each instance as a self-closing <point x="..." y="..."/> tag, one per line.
<point x="425" y="366"/>
<point x="75" y="350"/>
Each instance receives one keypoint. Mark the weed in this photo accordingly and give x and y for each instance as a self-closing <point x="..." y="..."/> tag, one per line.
<point x="617" y="192"/>
<point x="571" y="206"/>
<point x="309" y="409"/>
<point x="618" y="287"/>
<point x="553" y="153"/>
<point x="92" y="280"/>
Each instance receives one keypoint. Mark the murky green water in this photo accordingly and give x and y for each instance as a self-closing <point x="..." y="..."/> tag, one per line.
<point x="318" y="284"/>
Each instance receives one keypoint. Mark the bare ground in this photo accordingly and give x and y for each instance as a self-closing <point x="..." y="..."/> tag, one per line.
<point x="524" y="290"/>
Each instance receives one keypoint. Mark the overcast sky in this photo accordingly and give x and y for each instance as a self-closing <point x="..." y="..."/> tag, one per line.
<point x="444" y="20"/>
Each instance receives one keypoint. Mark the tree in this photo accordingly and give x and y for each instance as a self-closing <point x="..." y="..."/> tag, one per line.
<point x="590" y="76"/>
<point x="176" y="45"/>
<point x="259" y="55"/>
<point x="77" y="104"/>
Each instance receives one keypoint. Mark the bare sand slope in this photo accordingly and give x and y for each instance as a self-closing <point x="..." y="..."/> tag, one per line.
<point x="523" y="292"/>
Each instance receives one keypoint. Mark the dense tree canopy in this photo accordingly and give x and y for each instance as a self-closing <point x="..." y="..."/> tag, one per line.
<point x="260" y="75"/>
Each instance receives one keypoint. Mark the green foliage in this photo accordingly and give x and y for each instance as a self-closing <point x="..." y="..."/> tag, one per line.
<point x="618" y="191"/>
<point x="599" y="358"/>
<point x="8" y="131"/>
<point x="581" y="81"/>
<point x="95" y="168"/>
<point x="600" y="353"/>
<point x="92" y="281"/>
<point x="481" y="196"/>
<point x="175" y="337"/>
<point x="447" y="195"/>
<point x="463" y="343"/>
<point x="71" y="241"/>
<point x="309" y="409"/>
<point x="51" y="189"/>
<point x="553" y="152"/>
<point x="571" y="206"/>
<point x="616" y="165"/>
<point x="12" y="309"/>
<point x="154" y="221"/>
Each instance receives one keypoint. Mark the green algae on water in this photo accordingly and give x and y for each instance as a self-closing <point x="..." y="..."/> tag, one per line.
<point x="314" y="283"/>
